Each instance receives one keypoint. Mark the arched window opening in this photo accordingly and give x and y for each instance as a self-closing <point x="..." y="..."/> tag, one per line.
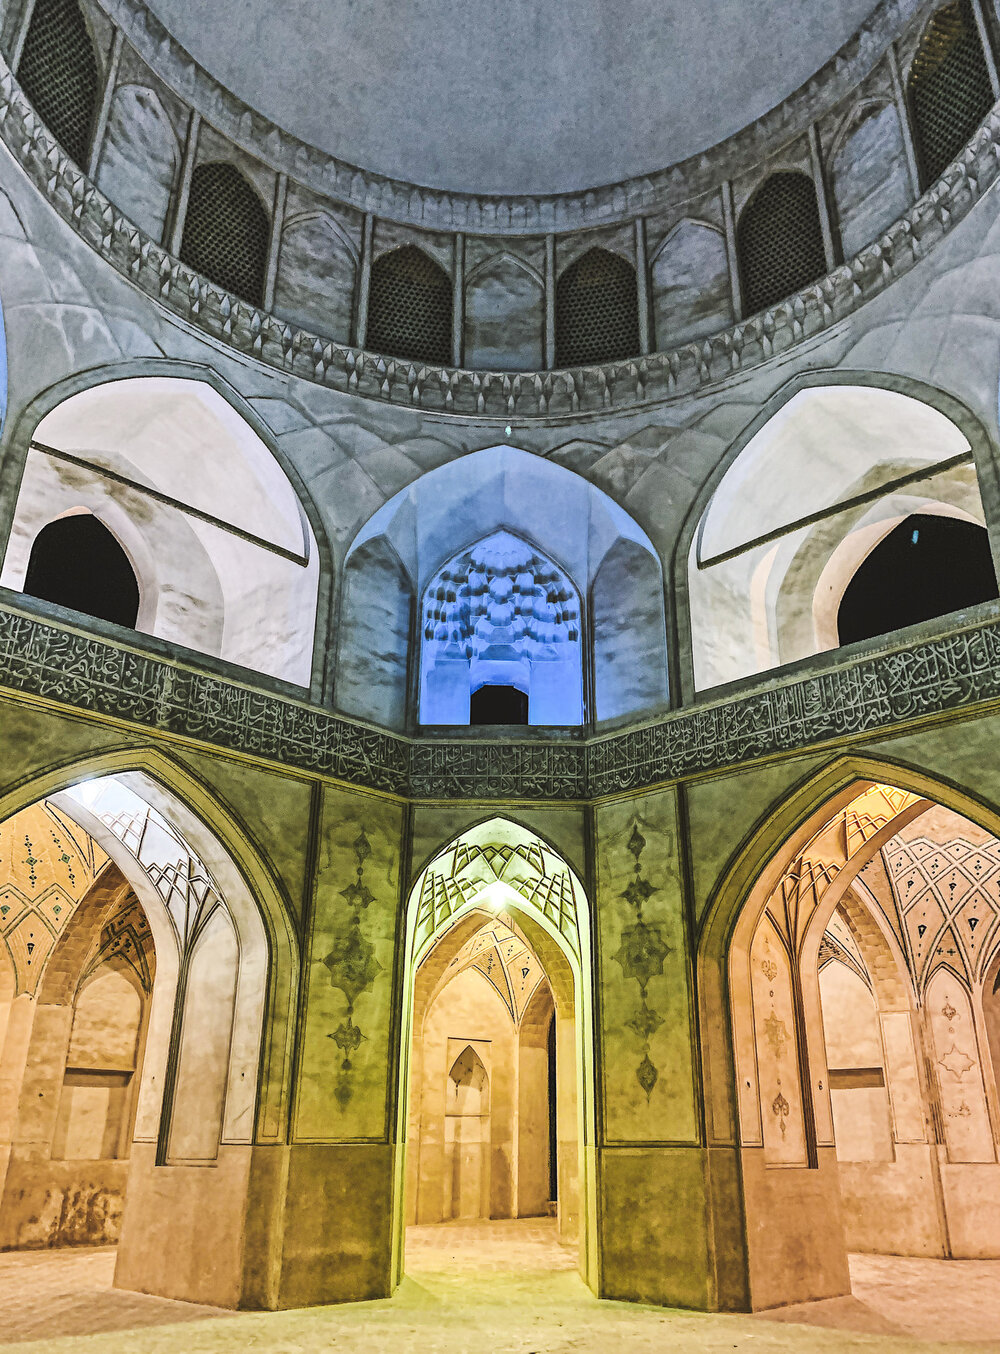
<point x="927" y="566"/>
<point x="496" y="704"/>
<point x="949" y="88"/>
<point x="597" y="310"/>
<point x="409" y="307"/>
<point x="779" y="241"/>
<point x="226" y="231"/>
<point x="77" y="563"/>
<point x="501" y="639"/>
<point x="58" y="73"/>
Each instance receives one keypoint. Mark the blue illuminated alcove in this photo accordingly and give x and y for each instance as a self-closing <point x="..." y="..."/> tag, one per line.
<point x="501" y="613"/>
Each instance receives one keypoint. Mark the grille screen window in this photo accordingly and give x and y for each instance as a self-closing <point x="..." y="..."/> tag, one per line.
<point x="597" y="310"/>
<point x="949" y="88"/>
<point x="58" y="73"/>
<point x="779" y="241"/>
<point x="226" y="231"/>
<point x="409" y="307"/>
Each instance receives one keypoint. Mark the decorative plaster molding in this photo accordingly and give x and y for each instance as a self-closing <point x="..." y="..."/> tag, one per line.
<point x="503" y="395"/>
<point x="866" y="696"/>
<point x="515" y="214"/>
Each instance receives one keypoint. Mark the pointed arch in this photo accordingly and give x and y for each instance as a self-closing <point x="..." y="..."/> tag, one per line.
<point x="948" y="88"/>
<point x="779" y="240"/>
<point x="227" y="231"/>
<point x="597" y="310"/>
<point x="467" y="876"/>
<point x="504" y="314"/>
<point x="410" y="307"/>
<point x="58" y="72"/>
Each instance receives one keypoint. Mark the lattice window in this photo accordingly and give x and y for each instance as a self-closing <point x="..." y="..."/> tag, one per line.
<point x="779" y="241"/>
<point x="597" y="310"/>
<point x="949" y="88"/>
<point x="409" y="307"/>
<point x="58" y="73"/>
<point x="226" y="231"/>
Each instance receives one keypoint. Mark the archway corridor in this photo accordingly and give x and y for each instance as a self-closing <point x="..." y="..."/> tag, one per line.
<point x="496" y="1096"/>
<point x="865" y="1006"/>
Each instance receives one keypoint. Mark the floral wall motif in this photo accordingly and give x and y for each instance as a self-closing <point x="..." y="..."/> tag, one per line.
<point x="353" y="966"/>
<point x="346" y="1054"/>
<point x="644" y="1023"/>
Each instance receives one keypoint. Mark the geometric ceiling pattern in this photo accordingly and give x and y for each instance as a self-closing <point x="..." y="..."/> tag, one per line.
<point x="462" y="872"/>
<point x="948" y="897"/>
<point x="47" y="865"/>
<point x="176" y="873"/>
<point x="505" y="961"/>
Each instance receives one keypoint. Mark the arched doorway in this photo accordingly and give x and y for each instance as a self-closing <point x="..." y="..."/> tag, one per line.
<point x="496" y="1102"/>
<point x="137" y="1068"/>
<point x="860" y="970"/>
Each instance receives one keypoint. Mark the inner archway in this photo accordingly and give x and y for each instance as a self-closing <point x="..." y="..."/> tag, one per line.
<point x="496" y="1083"/>
<point x="860" y="975"/>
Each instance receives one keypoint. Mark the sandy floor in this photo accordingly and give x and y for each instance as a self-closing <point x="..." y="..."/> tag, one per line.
<point x="496" y="1288"/>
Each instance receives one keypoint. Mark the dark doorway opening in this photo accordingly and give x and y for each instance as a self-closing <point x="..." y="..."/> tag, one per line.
<point x="927" y="566"/>
<point x="498" y="705"/>
<point x="76" y="562"/>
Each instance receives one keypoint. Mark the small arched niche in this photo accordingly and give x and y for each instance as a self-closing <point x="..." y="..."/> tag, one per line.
<point x="579" y="578"/>
<point x="501" y="617"/>
<point x="810" y="495"/>
<point x="78" y="563"/>
<point x="224" y="558"/>
<point x="926" y="566"/>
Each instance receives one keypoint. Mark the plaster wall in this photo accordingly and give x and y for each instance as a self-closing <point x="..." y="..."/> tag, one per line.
<point x="506" y="104"/>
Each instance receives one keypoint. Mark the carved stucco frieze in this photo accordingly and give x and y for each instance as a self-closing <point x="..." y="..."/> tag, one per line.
<point x="868" y="695"/>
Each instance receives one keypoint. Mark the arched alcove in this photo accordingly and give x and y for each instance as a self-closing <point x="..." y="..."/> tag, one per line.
<point x="120" y="874"/>
<point x="58" y="72"/>
<point x="779" y="240"/>
<point x="504" y="315"/>
<point x="948" y="88"/>
<point x="76" y="562"/>
<point x="809" y="493"/>
<point x="869" y="174"/>
<point x="140" y="158"/>
<point x="501" y="621"/>
<point x="926" y="566"/>
<point x="214" y="531"/>
<point x="493" y="920"/>
<point x="841" y="1076"/>
<point x="597" y="310"/>
<point x="581" y="541"/>
<point x="409" y="307"/>
<point x="226" y="232"/>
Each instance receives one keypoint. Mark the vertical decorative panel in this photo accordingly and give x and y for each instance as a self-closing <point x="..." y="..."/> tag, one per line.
<point x="871" y="183"/>
<point x="315" y="283"/>
<point x="776" y="1038"/>
<point x="645" y="1005"/>
<point x="504" y="316"/>
<point x="139" y="159"/>
<point x="346" y="1054"/>
<point x="962" y="1097"/>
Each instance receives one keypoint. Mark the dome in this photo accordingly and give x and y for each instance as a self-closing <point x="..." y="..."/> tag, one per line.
<point x="527" y="97"/>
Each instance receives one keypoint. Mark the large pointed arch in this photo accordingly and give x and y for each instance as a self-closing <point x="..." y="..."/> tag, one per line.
<point x="500" y="865"/>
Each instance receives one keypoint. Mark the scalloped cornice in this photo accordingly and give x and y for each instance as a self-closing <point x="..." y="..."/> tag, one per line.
<point x="431" y="208"/>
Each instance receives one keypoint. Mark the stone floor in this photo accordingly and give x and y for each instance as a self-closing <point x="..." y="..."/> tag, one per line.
<point x="496" y="1288"/>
